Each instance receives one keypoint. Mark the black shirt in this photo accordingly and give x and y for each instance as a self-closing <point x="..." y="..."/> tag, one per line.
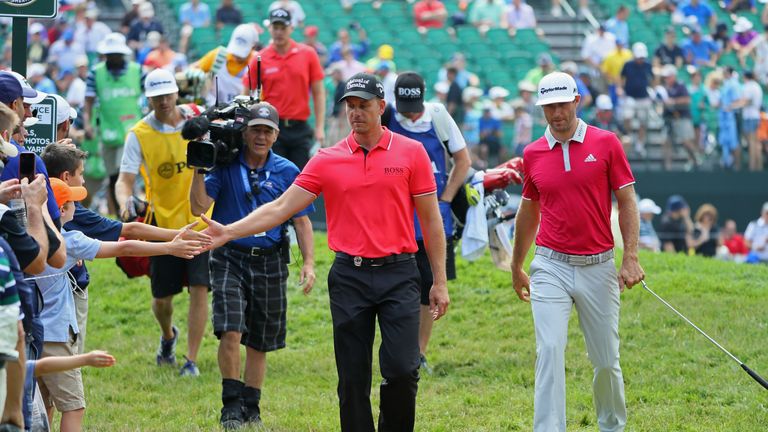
<point x="454" y="100"/>
<point x="673" y="230"/>
<point x="667" y="55"/>
<point x="709" y="247"/>
<point x="229" y="15"/>
<point x="24" y="246"/>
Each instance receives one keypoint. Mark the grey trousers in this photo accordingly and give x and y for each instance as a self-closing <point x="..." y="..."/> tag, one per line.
<point x="555" y="288"/>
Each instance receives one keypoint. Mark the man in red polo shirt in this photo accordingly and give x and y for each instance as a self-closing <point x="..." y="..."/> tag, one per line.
<point x="570" y="173"/>
<point x="372" y="181"/>
<point x="290" y="71"/>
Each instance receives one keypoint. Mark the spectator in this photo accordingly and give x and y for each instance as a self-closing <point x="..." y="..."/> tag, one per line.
<point x="728" y="135"/>
<point x="91" y="32"/>
<point x="429" y="14"/>
<point x="161" y="56"/>
<point x="489" y="128"/>
<point x="64" y="51"/>
<point x="519" y="15"/>
<point x="735" y="242"/>
<point x="39" y="80"/>
<point x="150" y="43"/>
<point x="740" y="5"/>
<point x="700" y="50"/>
<point x="293" y="7"/>
<point x="471" y="122"/>
<point x="454" y="101"/>
<point x="523" y="127"/>
<point x="706" y="234"/>
<point x="545" y="66"/>
<point x="338" y="127"/>
<point x="758" y="47"/>
<point x="648" y="239"/>
<point x="597" y="46"/>
<point x="76" y="92"/>
<point x="618" y="25"/>
<point x="637" y="76"/>
<point x="676" y="226"/>
<point x="441" y="93"/>
<point x="605" y="118"/>
<point x="500" y="108"/>
<point x="384" y="53"/>
<point x="310" y="39"/>
<point x="752" y="97"/>
<point x="143" y="25"/>
<point x="669" y="53"/>
<point x="37" y="48"/>
<point x="359" y="50"/>
<point x="704" y="14"/>
<point x="721" y="38"/>
<point x="677" y="118"/>
<point x="744" y="35"/>
<point x="464" y="78"/>
<point x="130" y="16"/>
<point x="699" y="109"/>
<point x="386" y="74"/>
<point x="756" y="236"/>
<point x="611" y="68"/>
<point x="486" y="14"/>
<point x="348" y="64"/>
<point x="194" y="13"/>
<point x="228" y="14"/>
<point x="572" y="69"/>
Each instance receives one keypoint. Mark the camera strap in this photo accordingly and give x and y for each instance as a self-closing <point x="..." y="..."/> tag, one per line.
<point x="254" y="203"/>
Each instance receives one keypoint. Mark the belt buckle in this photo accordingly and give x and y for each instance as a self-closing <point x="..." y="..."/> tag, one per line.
<point x="358" y="261"/>
<point x="255" y="251"/>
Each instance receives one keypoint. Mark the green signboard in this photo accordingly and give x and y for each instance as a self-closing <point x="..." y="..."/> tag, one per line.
<point x="44" y="131"/>
<point x="29" y="8"/>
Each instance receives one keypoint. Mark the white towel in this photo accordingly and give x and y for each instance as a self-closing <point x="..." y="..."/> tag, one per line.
<point x="474" y="238"/>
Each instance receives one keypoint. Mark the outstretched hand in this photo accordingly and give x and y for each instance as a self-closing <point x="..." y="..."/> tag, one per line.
<point x="182" y="248"/>
<point x="216" y="232"/>
<point x="99" y="359"/>
<point x="188" y="233"/>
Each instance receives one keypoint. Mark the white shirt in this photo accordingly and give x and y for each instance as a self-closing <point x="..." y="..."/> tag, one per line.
<point x="132" y="156"/>
<point x="752" y="92"/>
<point x="76" y="93"/>
<point x="424" y="123"/>
<point x="522" y="18"/>
<point x="757" y="235"/>
<point x="91" y="37"/>
<point x="596" y="47"/>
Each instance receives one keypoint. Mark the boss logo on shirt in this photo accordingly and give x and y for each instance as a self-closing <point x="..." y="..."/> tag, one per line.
<point x="394" y="171"/>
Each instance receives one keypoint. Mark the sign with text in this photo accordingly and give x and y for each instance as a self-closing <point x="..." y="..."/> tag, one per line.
<point x="29" y="8"/>
<point x="44" y="131"/>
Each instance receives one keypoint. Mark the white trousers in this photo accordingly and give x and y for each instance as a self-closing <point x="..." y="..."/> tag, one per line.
<point x="555" y="288"/>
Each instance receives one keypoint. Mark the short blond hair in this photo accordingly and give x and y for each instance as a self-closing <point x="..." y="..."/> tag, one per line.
<point x="8" y="119"/>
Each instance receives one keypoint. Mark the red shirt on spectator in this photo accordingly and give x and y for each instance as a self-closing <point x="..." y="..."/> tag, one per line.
<point x="369" y="197"/>
<point x="286" y="79"/>
<point x="736" y="245"/>
<point x="428" y="6"/>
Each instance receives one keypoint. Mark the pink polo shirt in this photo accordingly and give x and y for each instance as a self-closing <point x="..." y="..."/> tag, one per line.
<point x="369" y="197"/>
<point x="573" y="184"/>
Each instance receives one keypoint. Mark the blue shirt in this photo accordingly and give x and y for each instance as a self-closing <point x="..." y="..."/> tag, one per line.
<point x="730" y="92"/>
<point x="235" y="200"/>
<point x="638" y="76"/>
<point x="620" y="29"/>
<point x="46" y="85"/>
<point x="703" y="12"/>
<point x="96" y="227"/>
<point x="702" y="52"/>
<point x="11" y="170"/>
<point x="359" y="50"/>
<point x="196" y="17"/>
<point x="58" y="314"/>
<point x="489" y="124"/>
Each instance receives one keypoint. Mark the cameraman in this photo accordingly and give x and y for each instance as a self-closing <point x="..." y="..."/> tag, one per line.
<point x="249" y="275"/>
<point x="155" y="147"/>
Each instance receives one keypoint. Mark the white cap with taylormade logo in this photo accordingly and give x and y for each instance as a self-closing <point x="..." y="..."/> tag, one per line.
<point x="556" y="87"/>
<point x="160" y="82"/>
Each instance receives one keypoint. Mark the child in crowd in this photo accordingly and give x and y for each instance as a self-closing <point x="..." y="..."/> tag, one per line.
<point x="65" y="389"/>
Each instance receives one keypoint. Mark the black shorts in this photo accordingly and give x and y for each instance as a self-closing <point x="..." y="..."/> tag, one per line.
<point x="249" y="296"/>
<point x="169" y="274"/>
<point x="422" y="262"/>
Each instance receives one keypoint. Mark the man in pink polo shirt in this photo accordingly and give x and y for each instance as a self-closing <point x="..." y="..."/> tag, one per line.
<point x="570" y="173"/>
<point x="372" y="181"/>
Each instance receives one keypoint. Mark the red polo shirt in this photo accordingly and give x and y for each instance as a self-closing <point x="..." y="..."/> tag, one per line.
<point x="369" y="198"/>
<point x="420" y="7"/>
<point x="286" y="79"/>
<point x="573" y="184"/>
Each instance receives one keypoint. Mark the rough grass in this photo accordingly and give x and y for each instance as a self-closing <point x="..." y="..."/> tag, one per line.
<point x="482" y="353"/>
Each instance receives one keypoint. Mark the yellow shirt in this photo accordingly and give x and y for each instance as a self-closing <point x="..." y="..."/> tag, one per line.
<point x="614" y="62"/>
<point x="234" y="66"/>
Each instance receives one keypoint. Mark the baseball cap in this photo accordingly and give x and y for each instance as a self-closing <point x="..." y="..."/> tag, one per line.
<point x="280" y="15"/>
<point x="676" y="202"/>
<point x="263" y="113"/>
<point x="160" y="82"/>
<point x="114" y="43"/>
<point x="604" y="103"/>
<point x="765" y="207"/>
<point x="639" y="50"/>
<point x="544" y="59"/>
<point x="441" y="87"/>
<point x="569" y="67"/>
<point x="409" y="93"/>
<point x="146" y="10"/>
<point x="64" y="111"/>
<point x="498" y="92"/>
<point x="243" y="39"/>
<point x="742" y="25"/>
<point x="526" y="86"/>
<point x="668" y="70"/>
<point x="386" y="52"/>
<point x="64" y="192"/>
<point x="647" y="205"/>
<point x="92" y="13"/>
<point x="10" y="88"/>
<point x="31" y="96"/>
<point x="311" y="30"/>
<point x="36" y="69"/>
<point x="7" y="148"/>
<point x="363" y="85"/>
<point x="556" y="87"/>
<point x="35" y="28"/>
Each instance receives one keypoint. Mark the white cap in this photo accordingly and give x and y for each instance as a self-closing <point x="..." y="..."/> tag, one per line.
<point x="153" y="39"/>
<point x="742" y="25"/>
<point x="7" y="148"/>
<point x="556" y="87"/>
<point x="647" y="205"/>
<point x="570" y="67"/>
<point x="114" y="43"/>
<point x="498" y="92"/>
<point x="92" y="13"/>
<point x="668" y="70"/>
<point x="243" y="39"/>
<point x="604" y="103"/>
<point x="526" y="86"/>
<point x="639" y="50"/>
<point x="81" y="60"/>
<point x="31" y="96"/>
<point x="470" y="93"/>
<point x="146" y="10"/>
<point x="64" y="111"/>
<point x="36" y="27"/>
<point x="36" y="69"/>
<point x="442" y="87"/>
<point x="160" y="82"/>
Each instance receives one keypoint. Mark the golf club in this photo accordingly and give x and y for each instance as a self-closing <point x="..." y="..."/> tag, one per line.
<point x="746" y="368"/>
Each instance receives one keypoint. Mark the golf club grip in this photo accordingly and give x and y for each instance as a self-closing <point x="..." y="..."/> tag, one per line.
<point x="755" y="376"/>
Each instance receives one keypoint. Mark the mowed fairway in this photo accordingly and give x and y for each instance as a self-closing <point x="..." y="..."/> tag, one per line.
<point x="482" y="352"/>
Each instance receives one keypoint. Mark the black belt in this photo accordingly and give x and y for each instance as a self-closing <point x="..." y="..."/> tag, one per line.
<point x="257" y="251"/>
<point x="291" y="123"/>
<point x="359" y="261"/>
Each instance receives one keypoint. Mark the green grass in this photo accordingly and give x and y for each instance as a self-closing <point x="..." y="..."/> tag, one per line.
<point x="482" y="352"/>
